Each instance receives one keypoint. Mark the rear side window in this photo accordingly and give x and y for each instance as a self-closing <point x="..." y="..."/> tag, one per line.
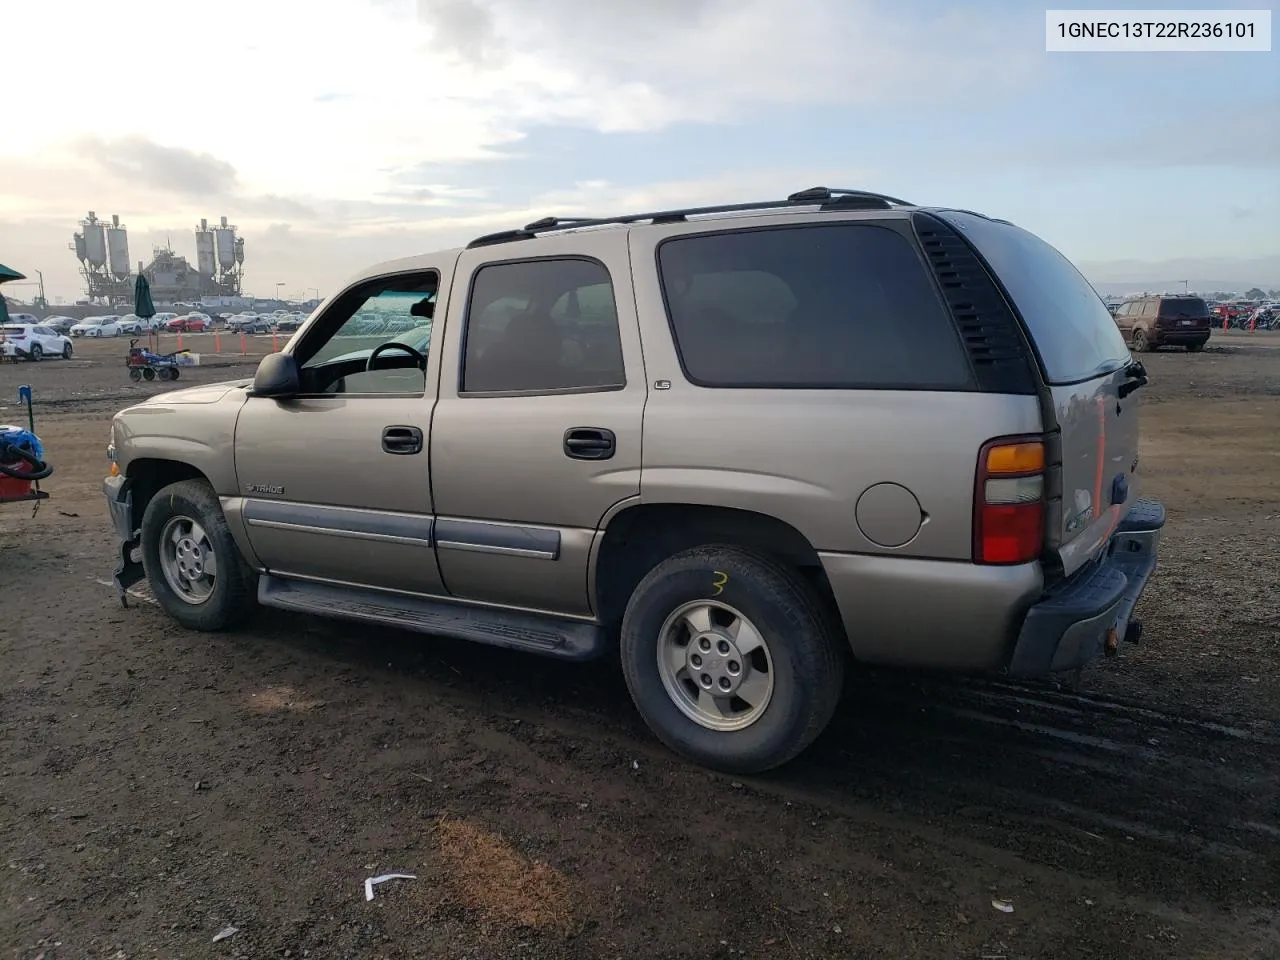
<point x="1183" y="307"/>
<point x="542" y="326"/>
<point x="1074" y="334"/>
<point x="836" y="306"/>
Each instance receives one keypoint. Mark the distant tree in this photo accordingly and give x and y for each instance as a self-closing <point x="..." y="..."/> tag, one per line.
<point x="1255" y="293"/>
<point x="1273" y="294"/>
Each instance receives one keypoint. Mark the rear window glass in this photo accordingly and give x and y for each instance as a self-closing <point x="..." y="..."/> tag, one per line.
<point x="1074" y="334"/>
<point x="832" y="306"/>
<point x="1183" y="307"/>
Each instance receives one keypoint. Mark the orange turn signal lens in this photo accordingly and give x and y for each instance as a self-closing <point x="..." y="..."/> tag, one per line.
<point x="1015" y="458"/>
<point x="115" y="470"/>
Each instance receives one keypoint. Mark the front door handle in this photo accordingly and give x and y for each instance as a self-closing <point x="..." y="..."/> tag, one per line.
<point x="589" y="443"/>
<point x="401" y="440"/>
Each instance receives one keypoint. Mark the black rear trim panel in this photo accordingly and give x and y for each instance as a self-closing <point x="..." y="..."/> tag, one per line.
<point x="1002" y="360"/>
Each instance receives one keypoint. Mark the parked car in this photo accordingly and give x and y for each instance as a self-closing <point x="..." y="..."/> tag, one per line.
<point x="191" y="323"/>
<point x="872" y="431"/>
<point x="131" y="323"/>
<point x="1149" y="323"/>
<point x="59" y="324"/>
<point x="33" y="341"/>
<point x="249" y="325"/>
<point x="97" y="327"/>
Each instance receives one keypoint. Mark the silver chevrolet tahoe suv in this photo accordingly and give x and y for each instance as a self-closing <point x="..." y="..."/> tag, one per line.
<point x="735" y="446"/>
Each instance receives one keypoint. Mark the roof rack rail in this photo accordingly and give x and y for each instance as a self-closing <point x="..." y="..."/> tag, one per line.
<point x="827" y="198"/>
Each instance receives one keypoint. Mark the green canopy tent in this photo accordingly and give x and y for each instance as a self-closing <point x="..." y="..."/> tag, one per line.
<point x="7" y="274"/>
<point x="143" y="307"/>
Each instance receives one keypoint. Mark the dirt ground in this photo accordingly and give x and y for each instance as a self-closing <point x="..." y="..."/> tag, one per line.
<point x="158" y="787"/>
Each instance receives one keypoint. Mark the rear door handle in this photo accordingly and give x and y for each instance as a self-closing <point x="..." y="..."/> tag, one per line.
<point x="401" y="440"/>
<point x="589" y="443"/>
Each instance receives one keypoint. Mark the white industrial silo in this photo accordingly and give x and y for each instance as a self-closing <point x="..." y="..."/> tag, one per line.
<point x="226" y="244"/>
<point x="118" y="249"/>
<point x="95" y="242"/>
<point x="204" y="250"/>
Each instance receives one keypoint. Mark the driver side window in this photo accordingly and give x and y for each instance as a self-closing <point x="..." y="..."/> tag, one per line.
<point x="364" y="336"/>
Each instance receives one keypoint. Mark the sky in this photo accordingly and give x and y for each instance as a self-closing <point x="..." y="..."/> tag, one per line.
<point x="345" y="133"/>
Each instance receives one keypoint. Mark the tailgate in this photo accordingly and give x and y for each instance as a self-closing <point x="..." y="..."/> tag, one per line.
<point x="1085" y="367"/>
<point x="1097" y="447"/>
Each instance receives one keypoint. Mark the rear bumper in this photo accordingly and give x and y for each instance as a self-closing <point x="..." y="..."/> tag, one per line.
<point x="1073" y="624"/>
<point x="1176" y="337"/>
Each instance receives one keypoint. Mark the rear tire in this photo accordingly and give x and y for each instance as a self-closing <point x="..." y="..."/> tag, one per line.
<point x="1141" y="344"/>
<point x="797" y="671"/>
<point x="148" y="373"/>
<point x="36" y="354"/>
<point x="182" y="525"/>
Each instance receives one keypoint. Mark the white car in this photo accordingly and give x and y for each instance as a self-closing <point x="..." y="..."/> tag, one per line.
<point x="97" y="327"/>
<point x="130" y="323"/>
<point x="31" y="341"/>
<point x="159" y="320"/>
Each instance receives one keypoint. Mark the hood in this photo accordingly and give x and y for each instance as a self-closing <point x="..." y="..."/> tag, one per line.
<point x="205" y="393"/>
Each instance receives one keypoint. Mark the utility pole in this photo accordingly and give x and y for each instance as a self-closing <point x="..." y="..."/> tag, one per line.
<point x="1184" y="285"/>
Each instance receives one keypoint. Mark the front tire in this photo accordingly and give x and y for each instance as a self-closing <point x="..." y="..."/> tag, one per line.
<point x="730" y="658"/>
<point x="67" y="351"/>
<point x="192" y="562"/>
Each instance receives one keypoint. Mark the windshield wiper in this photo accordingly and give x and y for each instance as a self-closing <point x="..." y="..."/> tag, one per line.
<point x="1135" y="377"/>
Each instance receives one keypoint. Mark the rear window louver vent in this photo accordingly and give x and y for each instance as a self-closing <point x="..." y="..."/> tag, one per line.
<point x="987" y="326"/>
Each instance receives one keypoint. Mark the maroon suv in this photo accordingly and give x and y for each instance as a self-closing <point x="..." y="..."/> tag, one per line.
<point x="1151" y="322"/>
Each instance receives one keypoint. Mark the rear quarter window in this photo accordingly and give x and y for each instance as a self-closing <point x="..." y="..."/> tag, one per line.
<point x="1074" y="335"/>
<point x="833" y="306"/>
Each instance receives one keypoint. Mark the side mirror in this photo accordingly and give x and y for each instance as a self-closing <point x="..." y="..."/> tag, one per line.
<point x="278" y="376"/>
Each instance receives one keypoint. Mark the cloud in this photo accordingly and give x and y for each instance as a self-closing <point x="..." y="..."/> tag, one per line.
<point x="464" y="26"/>
<point x="1240" y="134"/>
<point x="1202" y="272"/>
<point x="644" y="65"/>
<point x="172" y="169"/>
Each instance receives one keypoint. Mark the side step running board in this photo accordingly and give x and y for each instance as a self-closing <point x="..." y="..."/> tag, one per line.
<point x="548" y="636"/>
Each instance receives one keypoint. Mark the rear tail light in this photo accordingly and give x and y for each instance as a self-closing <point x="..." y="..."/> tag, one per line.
<point x="1009" y="512"/>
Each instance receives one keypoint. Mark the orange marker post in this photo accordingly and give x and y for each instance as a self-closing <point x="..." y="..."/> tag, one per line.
<point x="275" y="343"/>
<point x="217" y="342"/>
<point x="244" y="345"/>
<point x="179" y="340"/>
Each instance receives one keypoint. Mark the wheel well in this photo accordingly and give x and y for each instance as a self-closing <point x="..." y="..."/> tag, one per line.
<point x="641" y="537"/>
<point x="147" y="476"/>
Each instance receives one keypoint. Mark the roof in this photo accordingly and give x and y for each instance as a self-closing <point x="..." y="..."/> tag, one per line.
<point x="827" y="199"/>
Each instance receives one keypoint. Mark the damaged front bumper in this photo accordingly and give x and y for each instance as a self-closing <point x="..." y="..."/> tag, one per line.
<point x="128" y="571"/>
